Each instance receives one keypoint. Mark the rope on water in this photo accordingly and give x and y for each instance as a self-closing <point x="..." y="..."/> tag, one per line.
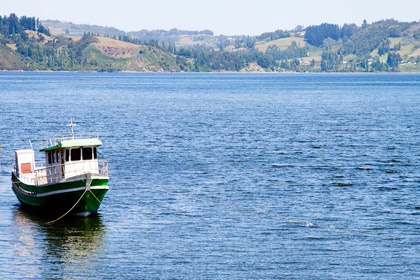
<point x="260" y="213"/>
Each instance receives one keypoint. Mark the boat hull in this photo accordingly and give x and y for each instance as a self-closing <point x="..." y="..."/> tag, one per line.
<point x="57" y="199"/>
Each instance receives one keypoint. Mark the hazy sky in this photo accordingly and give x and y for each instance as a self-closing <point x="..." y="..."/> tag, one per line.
<point x="227" y="17"/>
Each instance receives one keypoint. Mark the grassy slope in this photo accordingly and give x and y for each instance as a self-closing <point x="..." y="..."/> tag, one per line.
<point x="108" y="54"/>
<point x="281" y="43"/>
<point x="11" y="60"/>
<point x="410" y="49"/>
<point x="194" y="40"/>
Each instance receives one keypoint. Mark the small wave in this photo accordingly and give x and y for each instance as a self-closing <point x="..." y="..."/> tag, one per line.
<point x="342" y="184"/>
<point x="317" y="146"/>
<point x="387" y="188"/>
<point x="364" y="168"/>
<point x="279" y="165"/>
<point x="316" y="238"/>
<point x="402" y="223"/>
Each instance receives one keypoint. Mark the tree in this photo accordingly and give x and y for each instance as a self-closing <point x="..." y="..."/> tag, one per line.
<point x="384" y="47"/>
<point x="315" y="35"/>
<point x="298" y="28"/>
<point x="397" y="47"/>
<point x="250" y="42"/>
<point x="23" y="35"/>
<point x="14" y="25"/>
<point x="270" y="36"/>
<point x="394" y="32"/>
<point x="364" y="24"/>
<point x="377" y="65"/>
<point x="330" y="61"/>
<point x="393" y="60"/>
<point x="223" y="42"/>
<point x="347" y="31"/>
<point x="42" y="29"/>
<point x="238" y="43"/>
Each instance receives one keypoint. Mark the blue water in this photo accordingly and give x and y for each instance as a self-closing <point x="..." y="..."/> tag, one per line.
<point x="209" y="173"/>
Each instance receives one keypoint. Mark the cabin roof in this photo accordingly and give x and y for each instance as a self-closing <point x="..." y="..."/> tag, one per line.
<point x="74" y="143"/>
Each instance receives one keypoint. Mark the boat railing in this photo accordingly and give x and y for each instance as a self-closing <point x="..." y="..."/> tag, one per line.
<point x="40" y="163"/>
<point x="53" y="141"/>
<point x="60" y="172"/>
<point x="14" y="168"/>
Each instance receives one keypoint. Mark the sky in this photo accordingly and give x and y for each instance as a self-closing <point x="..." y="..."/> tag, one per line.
<point x="228" y="17"/>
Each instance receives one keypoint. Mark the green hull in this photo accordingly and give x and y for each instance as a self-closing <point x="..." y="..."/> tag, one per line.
<point x="57" y="199"/>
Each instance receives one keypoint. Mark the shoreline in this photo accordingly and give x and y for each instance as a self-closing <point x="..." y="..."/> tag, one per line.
<point x="215" y="72"/>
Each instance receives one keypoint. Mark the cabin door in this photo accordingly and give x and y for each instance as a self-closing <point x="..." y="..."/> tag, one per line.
<point x="62" y="163"/>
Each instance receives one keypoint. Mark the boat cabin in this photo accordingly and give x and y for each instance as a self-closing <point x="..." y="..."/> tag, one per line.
<point x="63" y="160"/>
<point x="71" y="158"/>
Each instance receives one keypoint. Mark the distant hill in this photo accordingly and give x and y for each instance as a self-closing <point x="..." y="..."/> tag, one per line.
<point x="34" y="48"/>
<point x="173" y="36"/>
<point x="386" y="45"/>
<point x="62" y="28"/>
<point x="90" y="53"/>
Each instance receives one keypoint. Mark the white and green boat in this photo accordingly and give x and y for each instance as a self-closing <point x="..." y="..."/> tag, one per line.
<point x="70" y="180"/>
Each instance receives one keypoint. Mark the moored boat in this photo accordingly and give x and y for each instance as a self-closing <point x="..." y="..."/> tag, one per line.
<point x="71" y="179"/>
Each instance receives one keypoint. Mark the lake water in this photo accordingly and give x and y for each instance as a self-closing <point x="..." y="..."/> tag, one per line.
<point x="223" y="176"/>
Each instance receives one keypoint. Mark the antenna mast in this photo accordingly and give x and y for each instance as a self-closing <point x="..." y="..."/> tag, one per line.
<point x="72" y="125"/>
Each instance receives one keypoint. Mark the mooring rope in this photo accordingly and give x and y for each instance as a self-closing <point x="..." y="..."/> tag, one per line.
<point x="100" y="202"/>
<point x="87" y="188"/>
<point x="65" y="214"/>
<point x="260" y="213"/>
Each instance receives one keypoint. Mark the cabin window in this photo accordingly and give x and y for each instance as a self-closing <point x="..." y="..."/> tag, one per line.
<point x="57" y="156"/>
<point x="49" y="157"/>
<point x="53" y="156"/>
<point x="87" y="153"/>
<point x="75" y="154"/>
<point x="67" y="155"/>
<point x="95" y="154"/>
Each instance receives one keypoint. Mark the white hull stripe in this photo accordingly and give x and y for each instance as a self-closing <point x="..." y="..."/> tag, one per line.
<point x="72" y="190"/>
<point x="66" y="190"/>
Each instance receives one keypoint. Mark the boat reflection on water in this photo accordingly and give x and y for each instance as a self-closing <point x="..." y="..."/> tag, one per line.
<point x="69" y="248"/>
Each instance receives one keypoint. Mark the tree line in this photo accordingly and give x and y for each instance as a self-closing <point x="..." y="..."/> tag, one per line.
<point x="316" y="34"/>
<point x="12" y="25"/>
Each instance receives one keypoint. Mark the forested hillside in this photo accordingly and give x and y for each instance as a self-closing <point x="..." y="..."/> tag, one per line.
<point x="387" y="45"/>
<point x="28" y="45"/>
